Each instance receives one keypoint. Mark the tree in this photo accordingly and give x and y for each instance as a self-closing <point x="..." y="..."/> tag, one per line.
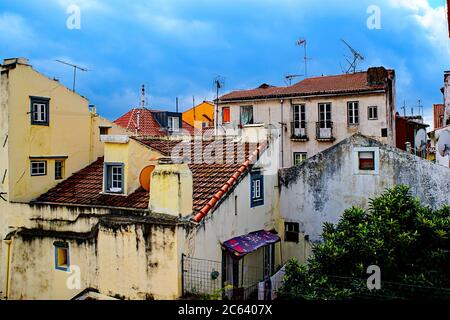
<point x="408" y="241"/>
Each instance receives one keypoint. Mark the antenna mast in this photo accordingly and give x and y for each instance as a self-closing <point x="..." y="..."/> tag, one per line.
<point x="218" y="84"/>
<point x="289" y="78"/>
<point x="75" y="68"/>
<point x="143" y="96"/>
<point x="357" y="57"/>
<point x="302" y="42"/>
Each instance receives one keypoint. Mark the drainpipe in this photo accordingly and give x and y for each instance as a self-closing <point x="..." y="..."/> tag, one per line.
<point x="282" y="134"/>
<point x="8" y="263"/>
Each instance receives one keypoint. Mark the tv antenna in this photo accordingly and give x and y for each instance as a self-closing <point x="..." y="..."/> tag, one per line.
<point x="357" y="57"/>
<point x="218" y="84"/>
<point x="75" y="68"/>
<point x="404" y="108"/>
<point x="288" y="78"/>
<point x="420" y="107"/>
<point x="302" y="42"/>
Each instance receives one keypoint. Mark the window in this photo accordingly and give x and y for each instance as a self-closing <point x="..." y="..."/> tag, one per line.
<point x="173" y="124"/>
<point x="372" y="112"/>
<point x="366" y="160"/>
<point x="246" y="115"/>
<point x="299" y="157"/>
<point x="38" y="168"/>
<point x="62" y="261"/>
<point x="59" y="169"/>
<point x="226" y="115"/>
<point x="291" y="231"/>
<point x="257" y="189"/>
<point x="39" y="111"/>
<point x="325" y="114"/>
<point x="299" y="120"/>
<point x="104" y="131"/>
<point x="384" y="132"/>
<point x="353" y="112"/>
<point x="114" y="180"/>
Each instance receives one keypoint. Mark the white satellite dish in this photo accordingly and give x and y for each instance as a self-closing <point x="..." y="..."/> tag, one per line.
<point x="443" y="144"/>
<point x="421" y="139"/>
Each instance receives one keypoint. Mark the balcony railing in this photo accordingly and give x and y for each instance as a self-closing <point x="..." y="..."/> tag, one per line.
<point x="298" y="131"/>
<point x="324" y="131"/>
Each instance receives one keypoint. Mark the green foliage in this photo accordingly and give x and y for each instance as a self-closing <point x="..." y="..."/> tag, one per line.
<point x="408" y="241"/>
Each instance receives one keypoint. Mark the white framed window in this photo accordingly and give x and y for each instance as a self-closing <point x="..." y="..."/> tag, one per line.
<point x="366" y="160"/>
<point x="39" y="111"/>
<point x="257" y="189"/>
<point x="38" y="168"/>
<point x="299" y="123"/>
<point x="247" y="115"/>
<point x="299" y="157"/>
<point x="173" y="123"/>
<point x="114" y="177"/>
<point x="372" y="112"/>
<point x="353" y="112"/>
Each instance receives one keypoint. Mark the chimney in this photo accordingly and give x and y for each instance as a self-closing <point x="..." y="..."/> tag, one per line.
<point x="376" y="76"/>
<point x="171" y="188"/>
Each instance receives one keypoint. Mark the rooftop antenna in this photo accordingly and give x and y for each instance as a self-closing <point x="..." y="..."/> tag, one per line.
<point x="404" y="108"/>
<point x="143" y="99"/>
<point x="75" y="68"/>
<point x="289" y="77"/>
<point x="357" y="57"/>
<point x="218" y="84"/>
<point x="176" y="104"/>
<point x="302" y="42"/>
<point x="420" y="106"/>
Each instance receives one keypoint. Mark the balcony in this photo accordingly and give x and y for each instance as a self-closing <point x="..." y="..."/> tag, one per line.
<point x="324" y="131"/>
<point x="298" y="131"/>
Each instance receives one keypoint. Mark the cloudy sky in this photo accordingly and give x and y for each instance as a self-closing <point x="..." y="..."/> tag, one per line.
<point x="177" y="47"/>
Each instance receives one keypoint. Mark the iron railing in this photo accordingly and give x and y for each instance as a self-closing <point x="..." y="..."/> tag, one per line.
<point x="299" y="130"/>
<point x="324" y="131"/>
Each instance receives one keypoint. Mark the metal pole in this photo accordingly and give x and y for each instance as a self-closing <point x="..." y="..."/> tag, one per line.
<point x="306" y="64"/>
<point x="74" y="77"/>
<point x="182" y="274"/>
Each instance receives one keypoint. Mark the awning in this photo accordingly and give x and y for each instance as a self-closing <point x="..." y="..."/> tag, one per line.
<point x="242" y="245"/>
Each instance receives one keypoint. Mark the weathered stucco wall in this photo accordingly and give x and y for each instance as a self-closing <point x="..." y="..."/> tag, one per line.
<point x="116" y="255"/>
<point x="321" y="188"/>
<point x="269" y="112"/>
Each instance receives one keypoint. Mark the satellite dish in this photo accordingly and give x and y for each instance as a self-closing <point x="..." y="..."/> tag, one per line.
<point x="145" y="177"/>
<point x="443" y="144"/>
<point x="421" y="139"/>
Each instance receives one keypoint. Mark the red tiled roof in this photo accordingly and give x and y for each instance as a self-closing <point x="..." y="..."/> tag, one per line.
<point x="85" y="186"/>
<point x="147" y="123"/>
<point x="344" y="83"/>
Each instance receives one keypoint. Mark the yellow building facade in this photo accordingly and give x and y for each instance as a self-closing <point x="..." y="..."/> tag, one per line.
<point x="47" y="133"/>
<point x="200" y="116"/>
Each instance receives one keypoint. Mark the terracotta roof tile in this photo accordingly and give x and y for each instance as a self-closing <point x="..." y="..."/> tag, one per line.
<point x="147" y="123"/>
<point x="352" y="82"/>
<point x="85" y="186"/>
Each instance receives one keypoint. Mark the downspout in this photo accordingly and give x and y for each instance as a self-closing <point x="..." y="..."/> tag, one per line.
<point x="91" y="136"/>
<point x="8" y="264"/>
<point x="282" y="134"/>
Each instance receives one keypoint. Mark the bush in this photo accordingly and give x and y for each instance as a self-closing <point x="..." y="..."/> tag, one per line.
<point x="407" y="240"/>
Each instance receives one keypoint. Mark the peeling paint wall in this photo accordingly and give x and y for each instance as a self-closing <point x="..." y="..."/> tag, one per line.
<point x="127" y="260"/>
<point x="269" y="112"/>
<point x="320" y="189"/>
